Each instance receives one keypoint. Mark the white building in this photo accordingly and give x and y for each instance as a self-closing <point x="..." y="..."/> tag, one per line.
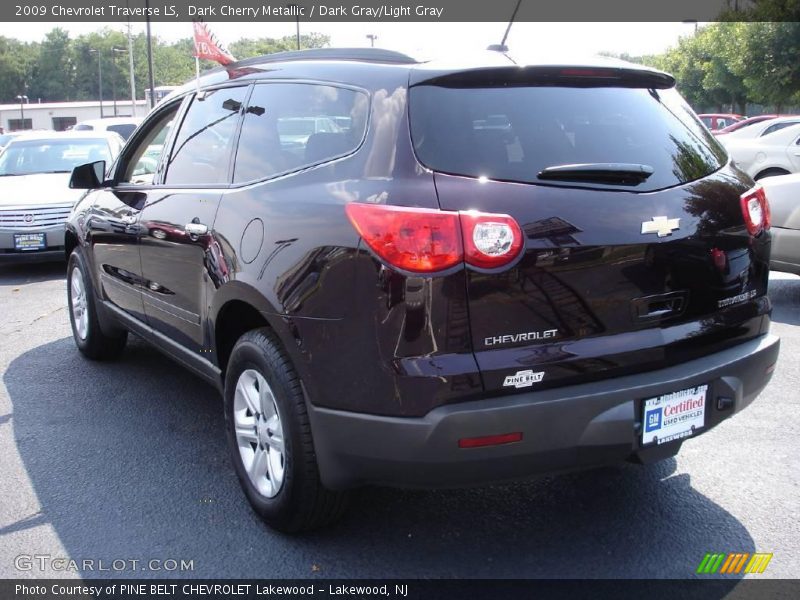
<point x="62" y="115"/>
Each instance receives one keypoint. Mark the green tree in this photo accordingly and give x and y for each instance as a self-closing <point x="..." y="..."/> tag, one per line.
<point x="54" y="68"/>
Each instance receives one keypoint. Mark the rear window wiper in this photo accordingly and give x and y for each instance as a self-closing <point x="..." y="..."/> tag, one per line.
<point x="611" y="173"/>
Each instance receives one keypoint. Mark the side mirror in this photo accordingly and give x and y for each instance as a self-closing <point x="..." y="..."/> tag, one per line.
<point x="89" y="176"/>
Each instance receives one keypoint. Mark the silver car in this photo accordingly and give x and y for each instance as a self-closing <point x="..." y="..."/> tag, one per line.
<point x="783" y="193"/>
<point x="35" y="198"/>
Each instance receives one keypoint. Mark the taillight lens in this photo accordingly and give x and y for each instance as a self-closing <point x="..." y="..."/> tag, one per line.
<point x="423" y="240"/>
<point x="490" y="241"/>
<point x="420" y="240"/>
<point x="755" y="208"/>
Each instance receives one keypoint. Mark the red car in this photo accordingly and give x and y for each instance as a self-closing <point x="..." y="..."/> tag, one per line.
<point x="716" y="121"/>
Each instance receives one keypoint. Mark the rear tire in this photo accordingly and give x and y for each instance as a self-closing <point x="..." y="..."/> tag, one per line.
<point x="270" y="440"/>
<point x="86" y="331"/>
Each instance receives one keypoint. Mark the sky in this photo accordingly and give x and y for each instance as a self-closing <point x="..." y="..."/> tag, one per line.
<point x="425" y="39"/>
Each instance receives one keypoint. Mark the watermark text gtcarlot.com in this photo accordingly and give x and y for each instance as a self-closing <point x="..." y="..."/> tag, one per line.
<point x="48" y="562"/>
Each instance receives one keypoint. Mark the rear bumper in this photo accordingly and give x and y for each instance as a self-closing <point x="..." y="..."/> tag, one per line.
<point x="54" y="251"/>
<point x="564" y="428"/>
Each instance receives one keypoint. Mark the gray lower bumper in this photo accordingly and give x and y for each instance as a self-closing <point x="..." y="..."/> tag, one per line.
<point x="563" y="428"/>
<point x="54" y="237"/>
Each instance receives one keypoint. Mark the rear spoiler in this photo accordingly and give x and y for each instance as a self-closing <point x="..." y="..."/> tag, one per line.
<point x="550" y="75"/>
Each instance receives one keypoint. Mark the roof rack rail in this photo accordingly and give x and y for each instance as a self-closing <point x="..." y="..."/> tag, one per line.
<point x="378" y="55"/>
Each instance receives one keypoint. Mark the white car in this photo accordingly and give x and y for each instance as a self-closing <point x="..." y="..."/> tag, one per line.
<point x="35" y="198"/>
<point x="124" y="126"/>
<point x="783" y="194"/>
<point x="760" y="129"/>
<point x="775" y="154"/>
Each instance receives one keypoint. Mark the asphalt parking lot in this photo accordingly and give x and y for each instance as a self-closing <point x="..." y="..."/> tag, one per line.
<point x="126" y="461"/>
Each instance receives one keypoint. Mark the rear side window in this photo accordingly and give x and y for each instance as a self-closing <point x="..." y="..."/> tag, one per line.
<point x="201" y="153"/>
<point x="513" y="133"/>
<point x="777" y="127"/>
<point x="288" y="126"/>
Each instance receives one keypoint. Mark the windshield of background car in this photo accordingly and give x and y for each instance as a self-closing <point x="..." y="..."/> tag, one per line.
<point x="51" y="156"/>
<point x="513" y="133"/>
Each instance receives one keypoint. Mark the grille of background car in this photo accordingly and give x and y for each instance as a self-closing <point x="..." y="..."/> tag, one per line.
<point x="43" y="216"/>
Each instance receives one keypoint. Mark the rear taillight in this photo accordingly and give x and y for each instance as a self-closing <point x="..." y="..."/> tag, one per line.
<point x="755" y="208"/>
<point x="414" y="239"/>
<point x="490" y="241"/>
<point x="423" y="240"/>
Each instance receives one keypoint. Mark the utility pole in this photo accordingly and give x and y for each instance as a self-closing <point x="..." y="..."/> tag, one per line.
<point x="297" y="21"/>
<point x="151" y="82"/>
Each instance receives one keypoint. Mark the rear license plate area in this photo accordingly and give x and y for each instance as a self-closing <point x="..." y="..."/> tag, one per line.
<point x="674" y="416"/>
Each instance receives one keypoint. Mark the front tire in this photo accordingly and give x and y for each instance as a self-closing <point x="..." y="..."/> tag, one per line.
<point x="89" y="337"/>
<point x="269" y="437"/>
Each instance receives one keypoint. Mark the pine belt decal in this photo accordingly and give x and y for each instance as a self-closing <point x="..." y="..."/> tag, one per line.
<point x="522" y="379"/>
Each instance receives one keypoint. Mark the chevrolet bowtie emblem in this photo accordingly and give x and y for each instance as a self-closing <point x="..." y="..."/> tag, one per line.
<point x="661" y="225"/>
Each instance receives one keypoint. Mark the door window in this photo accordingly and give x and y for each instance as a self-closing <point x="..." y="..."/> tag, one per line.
<point x="140" y="165"/>
<point x="288" y="126"/>
<point x="201" y="153"/>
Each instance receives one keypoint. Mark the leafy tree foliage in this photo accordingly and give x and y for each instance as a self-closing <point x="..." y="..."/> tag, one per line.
<point x="61" y="68"/>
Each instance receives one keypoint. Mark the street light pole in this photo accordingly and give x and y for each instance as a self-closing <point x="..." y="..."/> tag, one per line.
<point x="130" y="64"/>
<point x="22" y="100"/>
<point x="372" y="37"/>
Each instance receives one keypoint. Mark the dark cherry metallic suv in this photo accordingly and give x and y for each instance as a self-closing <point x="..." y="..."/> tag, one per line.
<point x="430" y="274"/>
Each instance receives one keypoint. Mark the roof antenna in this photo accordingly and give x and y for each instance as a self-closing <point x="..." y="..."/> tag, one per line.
<point x="501" y="47"/>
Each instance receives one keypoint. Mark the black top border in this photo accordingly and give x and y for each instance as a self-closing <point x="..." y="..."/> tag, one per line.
<point x="376" y="11"/>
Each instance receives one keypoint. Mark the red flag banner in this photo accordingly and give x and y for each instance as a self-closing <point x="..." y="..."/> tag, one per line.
<point x="206" y="45"/>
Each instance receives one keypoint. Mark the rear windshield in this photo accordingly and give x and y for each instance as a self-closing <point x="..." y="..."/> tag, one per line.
<point x="513" y="133"/>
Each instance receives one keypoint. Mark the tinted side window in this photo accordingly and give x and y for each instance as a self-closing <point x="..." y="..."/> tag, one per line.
<point x="288" y="126"/>
<point x="202" y="147"/>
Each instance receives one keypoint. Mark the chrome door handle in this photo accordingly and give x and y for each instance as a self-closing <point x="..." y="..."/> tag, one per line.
<point x="196" y="229"/>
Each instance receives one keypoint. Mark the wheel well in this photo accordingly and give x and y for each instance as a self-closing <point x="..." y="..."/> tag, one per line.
<point x="234" y="320"/>
<point x="771" y="171"/>
<point x="70" y="241"/>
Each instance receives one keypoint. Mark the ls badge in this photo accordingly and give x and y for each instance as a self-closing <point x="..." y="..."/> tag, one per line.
<point x="661" y="225"/>
<point x="523" y="379"/>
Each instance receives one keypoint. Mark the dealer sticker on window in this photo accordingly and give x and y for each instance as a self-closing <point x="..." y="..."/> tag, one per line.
<point x="674" y="416"/>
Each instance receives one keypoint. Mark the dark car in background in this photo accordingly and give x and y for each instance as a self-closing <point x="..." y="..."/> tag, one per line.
<point x="491" y="269"/>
